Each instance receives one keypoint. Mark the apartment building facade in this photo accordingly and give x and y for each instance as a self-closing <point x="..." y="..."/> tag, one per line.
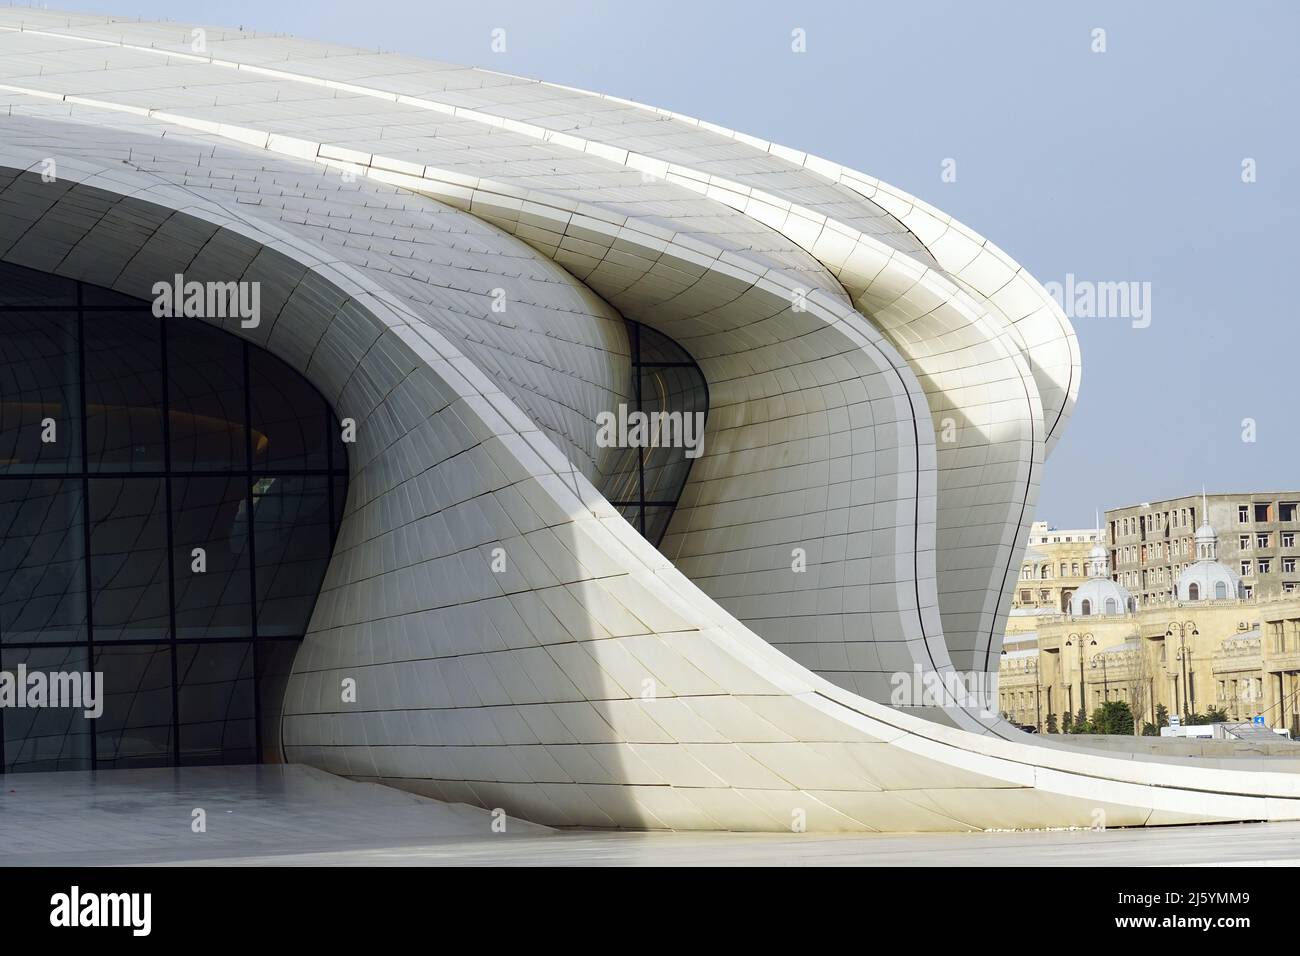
<point x="1258" y="533"/>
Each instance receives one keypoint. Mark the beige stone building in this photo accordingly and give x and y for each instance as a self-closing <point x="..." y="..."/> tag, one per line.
<point x="1209" y="644"/>
<point x="1242" y="656"/>
<point x="1259" y="540"/>
<point x="1053" y="567"/>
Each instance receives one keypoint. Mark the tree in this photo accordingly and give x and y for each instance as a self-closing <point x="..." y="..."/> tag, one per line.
<point x="1215" y="715"/>
<point x="1051" y="724"/>
<point x="1113" y="717"/>
<point x="1162" y="720"/>
<point x="1140" y="681"/>
<point x="1081" y="722"/>
<point x="1067" y="723"/>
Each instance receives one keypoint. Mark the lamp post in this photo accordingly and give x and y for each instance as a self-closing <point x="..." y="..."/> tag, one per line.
<point x="1184" y="653"/>
<point x="1081" y="640"/>
<point x="1105" y="681"/>
<point x="1038" y="708"/>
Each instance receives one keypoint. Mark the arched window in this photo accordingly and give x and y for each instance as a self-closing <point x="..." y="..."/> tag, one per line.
<point x="1112" y="606"/>
<point x="1047" y="571"/>
<point x="1220" y="590"/>
<point x="1194" y="592"/>
<point x="1087" y="607"/>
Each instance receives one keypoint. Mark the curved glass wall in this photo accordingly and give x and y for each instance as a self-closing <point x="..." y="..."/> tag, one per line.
<point x="169" y="497"/>
<point x="647" y="481"/>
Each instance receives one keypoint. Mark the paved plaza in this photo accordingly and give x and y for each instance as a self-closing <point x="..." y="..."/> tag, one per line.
<point x="295" y="815"/>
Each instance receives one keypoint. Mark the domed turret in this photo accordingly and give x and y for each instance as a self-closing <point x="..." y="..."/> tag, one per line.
<point x="1099" y="594"/>
<point x="1207" y="543"/>
<point x="1207" y="578"/>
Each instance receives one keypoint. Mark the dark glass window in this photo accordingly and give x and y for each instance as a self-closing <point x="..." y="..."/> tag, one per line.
<point x="46" y="738"/>
<point x="128" y="558"/>
<point x="205" y="399"/>
<point x="211" y="559"/>
<point x="290" y="420"/>
<point x="136" y="728"/>
<point x="645" y="483"/>
<point x="217" y="713"/>
<point x="40" y="421"/>
<point x="173" y="534"/>
<point x="38" y="290"/>
<point x="42" y="560"/>
<point x="124" y="391"/>
<point x="292" y="529"/>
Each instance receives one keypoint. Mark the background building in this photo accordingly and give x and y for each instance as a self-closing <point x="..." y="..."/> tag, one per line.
<point x="1241" y="658"/>
<point x="1259" y="539"/>
<point x="1054" y="565"/>
<point x="1210" y="647"/>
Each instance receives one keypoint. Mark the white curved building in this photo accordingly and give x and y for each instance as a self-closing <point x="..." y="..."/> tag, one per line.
<point x="471" y="268"/>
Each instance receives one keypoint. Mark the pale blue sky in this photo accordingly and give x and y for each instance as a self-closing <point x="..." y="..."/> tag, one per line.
<point x="1117" y="166"/>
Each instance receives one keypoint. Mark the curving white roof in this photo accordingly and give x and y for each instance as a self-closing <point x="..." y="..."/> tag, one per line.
<point x="987" y="345"/>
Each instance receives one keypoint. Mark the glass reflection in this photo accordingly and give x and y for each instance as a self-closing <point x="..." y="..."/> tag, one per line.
<point x="40" y="421"/>
<point x="646" y="483"/>
<point x="169" y="497"/>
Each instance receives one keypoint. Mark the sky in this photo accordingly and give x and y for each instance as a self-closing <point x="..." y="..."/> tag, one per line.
<point x="1117" y="166"/>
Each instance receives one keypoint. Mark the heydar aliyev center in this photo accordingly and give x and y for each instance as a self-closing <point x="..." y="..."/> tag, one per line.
<point x="519" y="446"/>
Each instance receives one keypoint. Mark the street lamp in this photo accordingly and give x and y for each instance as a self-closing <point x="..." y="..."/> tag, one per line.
<point x="1105" y="682"/>
<point x="1081" y="640"/>
<point x="1032" y="665"/>
<point x="1184" y="653"/>
<point x="1038" y="707"/>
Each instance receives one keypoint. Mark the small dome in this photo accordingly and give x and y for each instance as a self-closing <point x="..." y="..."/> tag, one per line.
<point x="1206" y="538"/>
<point x="1098" y="563"/>
<point x="1208" y="581"/>
<point x="1101" y="596"/>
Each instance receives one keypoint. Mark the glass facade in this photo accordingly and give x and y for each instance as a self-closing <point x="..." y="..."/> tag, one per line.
<point x="647" y="482"/>
<point x="169" y="498"/>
